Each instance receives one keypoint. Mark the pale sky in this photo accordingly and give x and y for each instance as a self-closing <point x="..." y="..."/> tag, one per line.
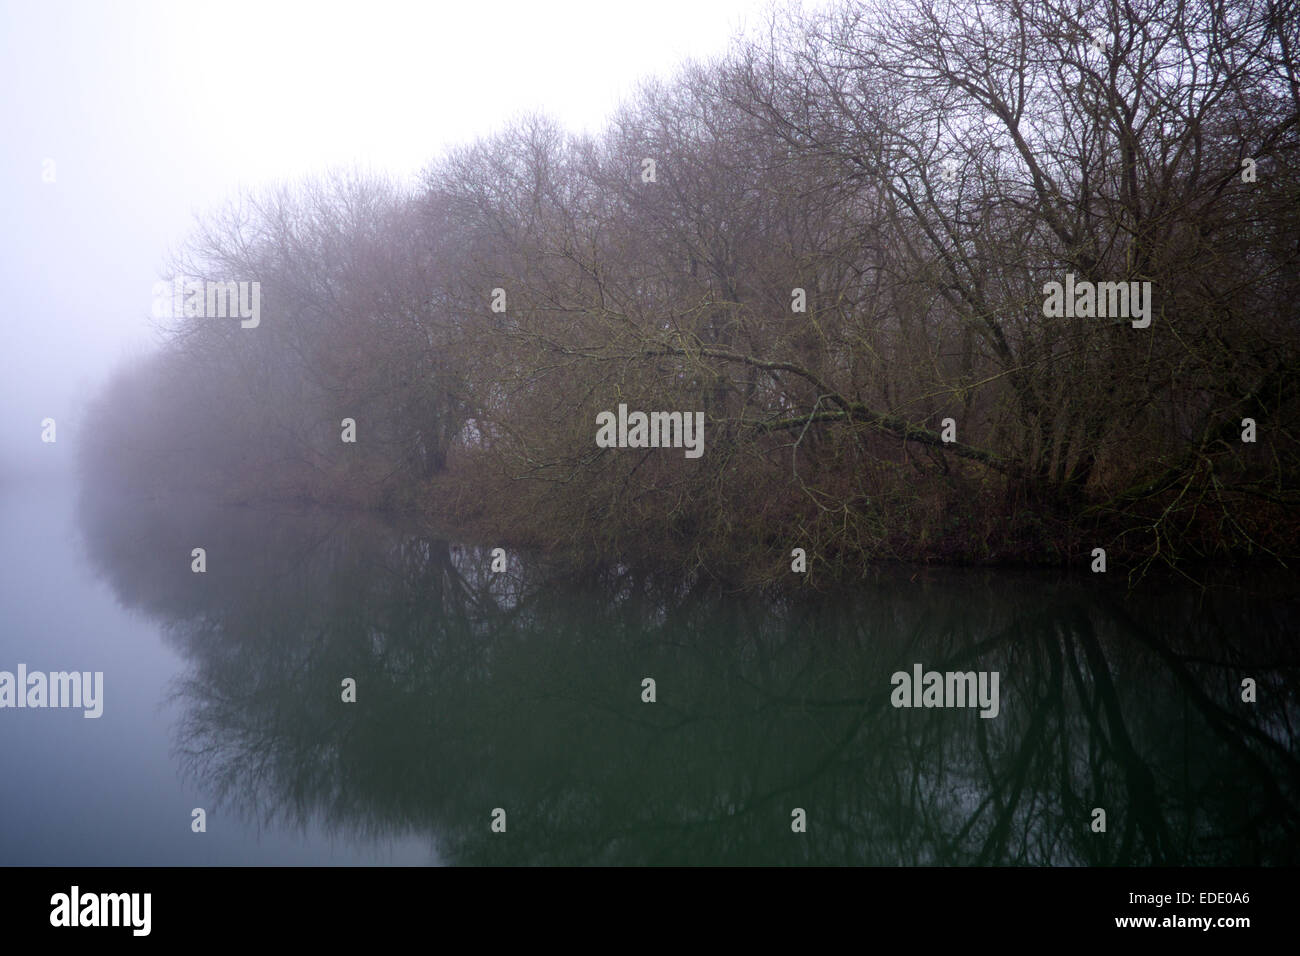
<point x="145" y="114"/>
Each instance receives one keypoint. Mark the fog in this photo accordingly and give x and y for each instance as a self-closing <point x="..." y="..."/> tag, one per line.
<point x="124" y="122"/>
<point x="729" y="432"/>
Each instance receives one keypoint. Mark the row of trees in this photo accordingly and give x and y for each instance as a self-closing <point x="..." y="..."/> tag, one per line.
<point x="915" y="173"/>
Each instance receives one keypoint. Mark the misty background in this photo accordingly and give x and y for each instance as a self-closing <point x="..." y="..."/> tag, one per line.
<point x="796" y="158"/>
<point x="155" y="113"/>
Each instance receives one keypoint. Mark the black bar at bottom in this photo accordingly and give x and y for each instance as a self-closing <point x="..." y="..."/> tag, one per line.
<point x="336" y="904"/>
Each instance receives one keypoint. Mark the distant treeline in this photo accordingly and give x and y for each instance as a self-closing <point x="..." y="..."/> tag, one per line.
<point x="836" y="243"/>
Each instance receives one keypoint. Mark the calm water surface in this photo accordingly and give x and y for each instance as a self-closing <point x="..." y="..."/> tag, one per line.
<point x="520" y="691"/>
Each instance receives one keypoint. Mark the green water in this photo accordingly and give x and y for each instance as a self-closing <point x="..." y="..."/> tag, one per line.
<point x="522" y="692"/>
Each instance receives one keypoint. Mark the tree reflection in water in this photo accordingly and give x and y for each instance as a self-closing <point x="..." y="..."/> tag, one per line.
<point x="523" y="691"/>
